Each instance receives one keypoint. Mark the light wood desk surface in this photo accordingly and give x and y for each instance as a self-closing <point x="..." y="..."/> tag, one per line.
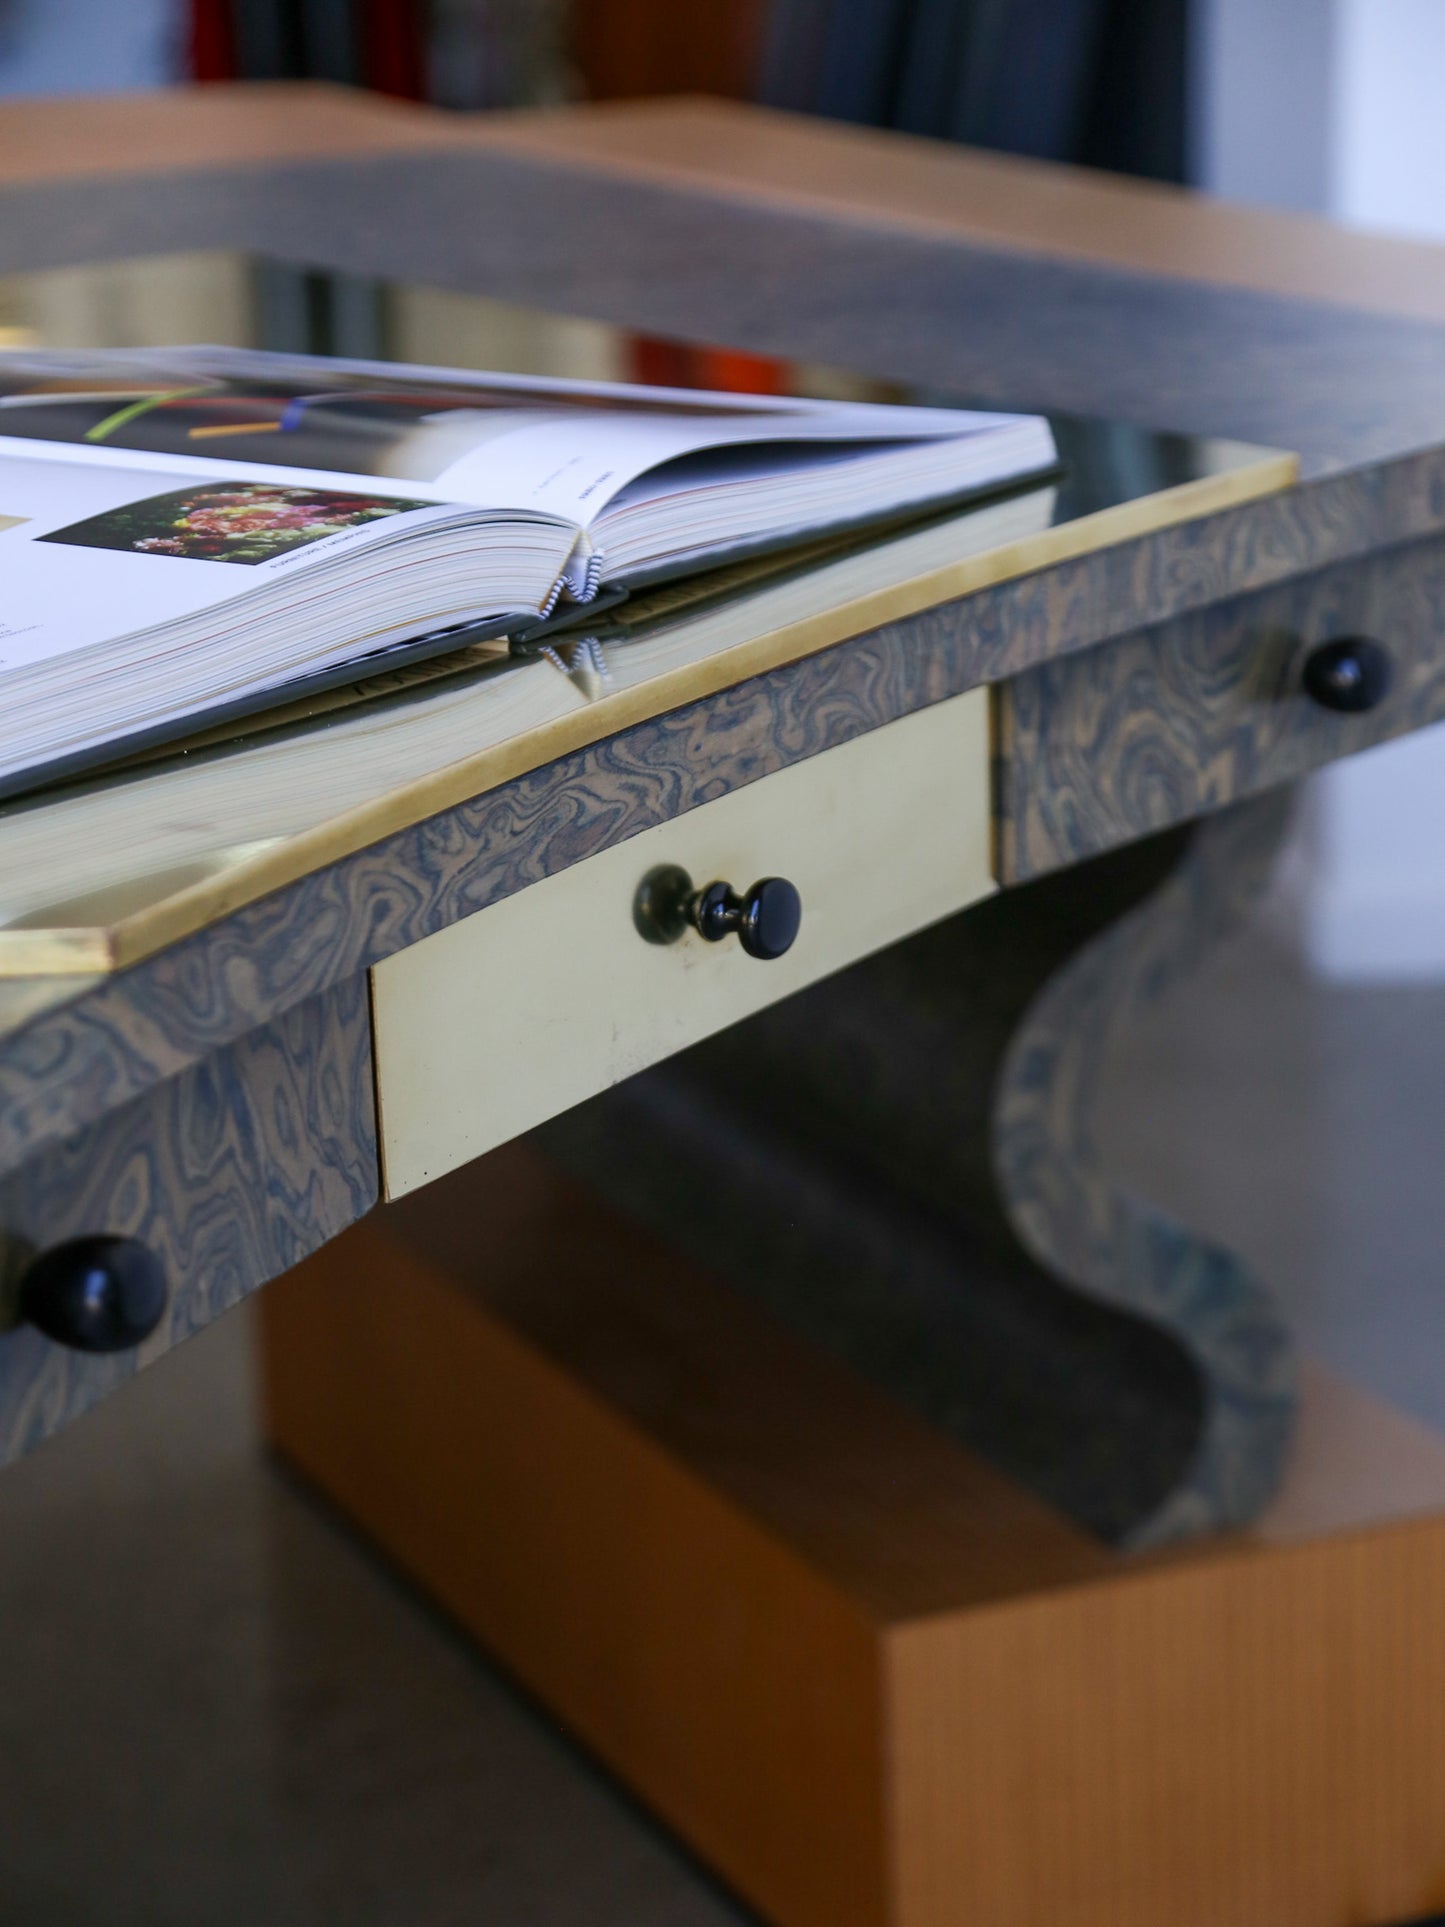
<point x="753" y="155"/>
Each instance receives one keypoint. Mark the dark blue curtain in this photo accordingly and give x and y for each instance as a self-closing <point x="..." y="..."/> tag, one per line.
<point x="1096" y="81"/>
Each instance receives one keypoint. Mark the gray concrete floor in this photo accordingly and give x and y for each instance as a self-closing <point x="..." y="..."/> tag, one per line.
<point x="1303" y="1125"/>
<point x="216" y="1710"/>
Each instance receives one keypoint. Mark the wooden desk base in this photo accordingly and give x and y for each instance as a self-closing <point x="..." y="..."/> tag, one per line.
<point x="869" y="1680"/>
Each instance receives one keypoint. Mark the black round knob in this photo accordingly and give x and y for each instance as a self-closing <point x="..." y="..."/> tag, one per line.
<point x="1350" y="674"/>
<point x="660" y="908"/>
<point x="95" y="1294"/>
<point x="765" y="919"/>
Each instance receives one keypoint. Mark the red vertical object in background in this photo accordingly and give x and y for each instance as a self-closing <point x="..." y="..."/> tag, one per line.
<point x="391" y="39"/>
<point x="740" y="373"/>
<point x="211" y="41"/>
<point x="661" y="364"/>
<point x="678" y="364"/>
<point x="623" y="48"/>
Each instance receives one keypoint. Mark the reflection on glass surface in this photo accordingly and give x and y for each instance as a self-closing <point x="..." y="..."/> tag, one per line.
<point x="84" y="855"/>
<point x="247" y="302"/>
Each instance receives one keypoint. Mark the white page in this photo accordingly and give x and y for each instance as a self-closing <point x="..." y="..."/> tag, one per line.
<point x="65" y="586"/>
<point x="139" y="505"/>
<point x="537" y="444"/>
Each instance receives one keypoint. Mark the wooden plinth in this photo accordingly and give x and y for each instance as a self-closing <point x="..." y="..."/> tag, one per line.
<point x="870" y="1681"/>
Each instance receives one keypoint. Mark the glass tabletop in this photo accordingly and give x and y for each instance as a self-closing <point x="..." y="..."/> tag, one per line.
<point x="247" y="802"/>
<point x="249" y="301"/>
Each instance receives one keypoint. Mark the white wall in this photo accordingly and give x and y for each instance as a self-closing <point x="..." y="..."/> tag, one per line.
<point x="1252" y="139"/>
<point x="1338" y="106"/>
<point x="1388" y="146"/>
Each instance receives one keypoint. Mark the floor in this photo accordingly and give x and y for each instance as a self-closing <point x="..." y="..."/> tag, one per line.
<point x="216" y="1710"/>
<point x="1301" y="1126"/>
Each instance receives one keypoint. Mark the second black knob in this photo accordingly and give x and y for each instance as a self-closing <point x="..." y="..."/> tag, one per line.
<point x="765" y="918"/>
<point x="98" y="1294"/>
<point x="1351" y="674"/>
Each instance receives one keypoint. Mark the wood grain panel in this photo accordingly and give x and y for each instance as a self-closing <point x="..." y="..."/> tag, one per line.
<point x="639" y="1485"/>
<point x="764" y="1418"/>
<point x="232" y="1171"/>
<point x="1240" y="1737"/>
<point x="629" y="1596"/>
<point x="869" y="1680"/>
<point x="1180" y="719"/>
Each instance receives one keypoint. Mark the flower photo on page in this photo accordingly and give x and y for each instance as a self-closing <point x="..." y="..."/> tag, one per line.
<point x="229" y="521"/>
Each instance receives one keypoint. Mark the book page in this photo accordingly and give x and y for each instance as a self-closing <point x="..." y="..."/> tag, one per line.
<point x="89" y="553"/>
<point x="548" y="447"/>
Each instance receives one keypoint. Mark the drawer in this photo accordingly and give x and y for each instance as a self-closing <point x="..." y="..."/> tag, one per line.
<point x="1162" y="725"/>
<point x="522" y="1010"/>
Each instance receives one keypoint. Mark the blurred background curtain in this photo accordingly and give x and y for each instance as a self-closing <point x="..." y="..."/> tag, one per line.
<point x="1097" y="81"/>
<point x="455" y="53"/>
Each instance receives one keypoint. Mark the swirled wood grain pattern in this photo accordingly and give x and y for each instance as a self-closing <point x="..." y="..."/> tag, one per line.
<point x="66" y="1066"/>
<point x="1103" y="1241"/>
<point x="1362" y="396"/>
<point x="864" y="1157"/>
<point x="69" y="1066"/>
<point x="232" y="1171"/>
<point x="1185" y="717"/>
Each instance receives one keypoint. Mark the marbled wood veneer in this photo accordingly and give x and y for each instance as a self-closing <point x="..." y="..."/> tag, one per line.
<point x="1179" y="719"/>
<point x="1111" y="1245"/>
<point x="232" y="1171"/>
<point x="1360" y="388"/>
<point x="68" y="1066"/>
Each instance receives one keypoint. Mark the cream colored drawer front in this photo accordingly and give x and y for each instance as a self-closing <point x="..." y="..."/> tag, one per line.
<point x="519" y="1012"/>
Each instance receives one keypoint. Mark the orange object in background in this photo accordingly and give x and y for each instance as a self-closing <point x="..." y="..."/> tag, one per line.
<point x="626" y="48"/>
<point x="680" y="364"/>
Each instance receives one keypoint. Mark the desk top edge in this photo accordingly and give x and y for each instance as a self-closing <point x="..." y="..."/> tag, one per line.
<point x="861" y="175"/>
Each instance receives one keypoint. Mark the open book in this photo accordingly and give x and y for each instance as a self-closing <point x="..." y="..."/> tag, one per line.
<point x="191" y="533"/>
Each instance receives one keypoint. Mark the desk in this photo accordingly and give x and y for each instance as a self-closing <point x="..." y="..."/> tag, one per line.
<point x="217" y="1097"/>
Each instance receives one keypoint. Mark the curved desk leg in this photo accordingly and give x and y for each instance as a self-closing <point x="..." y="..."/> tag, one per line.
<point x="901" y="1162"/>
<point x="1084" y="1230"/>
